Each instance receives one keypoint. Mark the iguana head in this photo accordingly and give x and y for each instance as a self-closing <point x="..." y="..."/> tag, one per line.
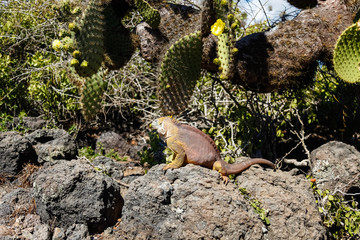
<point x="162" y="125"/>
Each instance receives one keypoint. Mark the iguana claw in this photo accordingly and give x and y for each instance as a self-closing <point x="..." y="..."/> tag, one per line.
<point x="166" y="167"/>
<point x="225" y="179"/>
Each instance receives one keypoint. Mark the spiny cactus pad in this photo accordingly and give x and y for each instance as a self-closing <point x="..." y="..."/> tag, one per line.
<point x="225" y="56"/>
<point x="347" y="54"/>
<point x="180" y="70"/>
<point x="150" y="15"/>
<point x="91" y="95"/>
<point x="89" y="38"/>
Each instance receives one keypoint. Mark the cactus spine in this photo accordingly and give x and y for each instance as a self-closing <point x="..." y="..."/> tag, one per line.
<point x="91" y="95"/>
<point x="180" y="70"/>
<point x="347" y="54"/>
<point x="89" y="35"/>
<point x="150" y="15"/>
<point x="226" y="40"/>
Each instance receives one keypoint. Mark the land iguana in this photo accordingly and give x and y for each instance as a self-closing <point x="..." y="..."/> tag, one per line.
<point x="190" y="145"/>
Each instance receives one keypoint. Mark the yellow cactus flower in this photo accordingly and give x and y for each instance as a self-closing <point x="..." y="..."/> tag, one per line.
<point x="224" y="3"/>
<point x="84" y="64"/>
<point x="218" y="27"/>
<point x="76" y="54"/>
<point x="74" y="62"/>
<point x="56" y="45"/>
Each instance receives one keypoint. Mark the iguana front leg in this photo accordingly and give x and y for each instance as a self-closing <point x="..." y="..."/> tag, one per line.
<point x="179" y="154"/>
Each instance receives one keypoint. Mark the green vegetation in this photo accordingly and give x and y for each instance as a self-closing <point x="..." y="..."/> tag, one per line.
<point x="150" y="15"/>
<point x="154" y="153"/>
<point x="256" y="205"/>
<point x="347" y="54"/>
<point x="180" y="69"/>
<point x="41" y="39"/>
<point x="341" y="217"/>
<point x="33" y="80"/>
<point x="91" y="154"/>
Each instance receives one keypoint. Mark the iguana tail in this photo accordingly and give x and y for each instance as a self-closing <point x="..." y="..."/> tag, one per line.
<point x="239" y="167"/>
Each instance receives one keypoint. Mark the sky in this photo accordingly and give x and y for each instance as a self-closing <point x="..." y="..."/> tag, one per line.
<point x="255" y="12"/>
<point x="273" y="9"/>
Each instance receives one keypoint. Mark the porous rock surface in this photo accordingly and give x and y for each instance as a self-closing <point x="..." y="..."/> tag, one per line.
<point x="336" y="167"/>
<point x="17" y="216"/>
<point x="186" y="203"/>
<point x="192" y="203"/>
<point x="122" y="172"/>
<point x="112" y="141"/>
<point x="27" y="123"/>
<point x="73" y="192"/>
<point x="289" y="201"/>
<point x="52" y="144"/>
<point x="15" y="151"/>
<point x="38" y="147"/>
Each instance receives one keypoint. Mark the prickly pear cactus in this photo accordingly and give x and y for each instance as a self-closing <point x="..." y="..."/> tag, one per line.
<point x="150" y="15"/>
<point x="91" y="95"/>
<point x="180" y="70"/>
<point x="89" y="38"/>
<point x="224" y="29"/>
<point x="225" y="56"/>
<point x="347" y="54"/>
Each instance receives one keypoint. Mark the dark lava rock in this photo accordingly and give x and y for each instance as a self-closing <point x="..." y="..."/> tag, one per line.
<point x="73" y="192"/>
<point x="113" y="141"/>
<point x="186" y="203"/>
<point x="193" y="203"/>
<point x="336" y="167"/>
<point x="15" y="152"/>
<point x="52" y="144"/>
<point x="289" y="200"/>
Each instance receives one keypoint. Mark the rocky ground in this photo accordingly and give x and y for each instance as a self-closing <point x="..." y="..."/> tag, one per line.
<point x="48" y="192"/>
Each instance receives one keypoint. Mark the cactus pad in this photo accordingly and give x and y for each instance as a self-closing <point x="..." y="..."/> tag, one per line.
<point x="150" y="15"/>
<point x="225" y="56"/>
<point x="347" y="54"/>
<point x="89" y="38"/>
<point x="180" y="70"/>
<point x="91" y="95"/>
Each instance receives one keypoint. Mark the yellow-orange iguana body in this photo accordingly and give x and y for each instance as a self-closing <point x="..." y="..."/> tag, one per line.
<point x="190" y="145"/>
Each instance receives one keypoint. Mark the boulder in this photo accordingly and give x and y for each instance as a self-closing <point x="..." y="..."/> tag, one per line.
<point x="52" y="144"/>
<point x="186" y="203"/>
<point x="28" y="123"/>
<point x="193" y="203"/>
<point x="73" y="192"/>
<point x="15" y="152"/>
<point x="74" y="232"/>
<point x="18" y="219"/>
<point x="289" y="200"/>
<point x="16" y="200"/>
<point x="336" y="167"/>
<point x="113" y="141"/>
<point x="124" y="172"/>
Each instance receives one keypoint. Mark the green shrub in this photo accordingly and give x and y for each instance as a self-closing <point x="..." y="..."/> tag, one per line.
<point x="33" y="79"/>
<point x="341" y="217"/>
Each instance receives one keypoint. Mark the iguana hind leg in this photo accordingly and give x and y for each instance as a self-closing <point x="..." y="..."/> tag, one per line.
<point x="179" y="155"/>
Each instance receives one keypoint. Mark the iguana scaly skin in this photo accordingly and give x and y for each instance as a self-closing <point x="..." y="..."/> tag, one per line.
<point x="190" y="145"/>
